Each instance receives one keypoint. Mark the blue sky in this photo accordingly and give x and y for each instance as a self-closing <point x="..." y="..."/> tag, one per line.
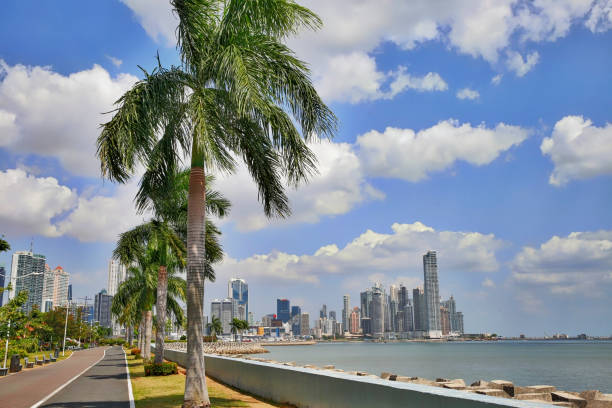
<point x="511" y="184"/>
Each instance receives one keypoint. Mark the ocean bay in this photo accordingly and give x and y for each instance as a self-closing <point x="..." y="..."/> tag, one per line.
<point x="568" y="365"/>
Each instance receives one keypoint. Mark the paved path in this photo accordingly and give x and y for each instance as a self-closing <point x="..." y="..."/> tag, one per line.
<point x="104" y="385"/>
<point x="29" y="386"/>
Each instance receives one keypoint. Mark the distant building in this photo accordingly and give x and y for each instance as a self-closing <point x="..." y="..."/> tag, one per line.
<point x="238" y="289"/>
<point x="2" y="276"/>
<point x="304" y="324"/>
<point x="377" y="312"/>
<point x="408" y="316"/>
<point x="55" y="286"/>
<point x="323" y="312"/>
<point x="283" y="310"/>
<point x="420" y="313"/>
<point x="117" y="274"/>
<point x="366" y="325"/>
<point x="251" y="319"/>
<point x="70" y="292"/>
<point x="27" y="273"/>
<point x="354" y="321"/>
<point x="432" y="297"/>
<point x="445" y="321"/>
<point x="459" y="320"/>
<point x="222" y="310"/>
<point x="366" y="300"/>
<point x="102" y="308"/>
<point x="332" y="315"/>
<point x="346" y="313"/>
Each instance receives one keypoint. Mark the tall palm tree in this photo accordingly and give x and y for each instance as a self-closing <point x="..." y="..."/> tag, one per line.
<point x="237" y="326"/>
<point x="4" y="246"/>
<point x="215" y="326"/>
<point x="237" y="96"/>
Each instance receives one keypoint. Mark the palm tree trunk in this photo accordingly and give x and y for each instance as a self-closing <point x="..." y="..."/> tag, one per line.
<point x="147" y="334"/>
<point x="140" y="335"/>
<point x="162" y="295"/>
<point x="196" y="392"/>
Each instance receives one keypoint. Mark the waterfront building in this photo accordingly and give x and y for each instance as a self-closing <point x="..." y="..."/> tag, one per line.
<point x="55" y="287"/>
<point x="445" y="320"/>
<point x="266" y="321"/>
<point x="332" y="315"/>
<point x="377" y="312"/>
<point x="418" y="299"/>
<point x="459" y="321"/>
<point x="355" y="320"/>
<point x="366" y="325"/>
<point x="403" y="297"/>
<point x="238" y="289"/>
<point x="251" y="319"/>
<point x="346" y="313"/>
<point x="102" y="308"/>
<point x="27" y="273"/>
<point x="283" y="310"/>
<point x="296" y="310"/>
<point x="323" y="312"/>
<point x="304" y="324"/>
<point x="223" y="310"/>
<point x="2" y="277"/>
<point x="408" y="317"/>
<point x="70" y="292"/>
<point x="393" y="315"/>
<point x="432" y="297"/>
<point x="117" y="274"/>
<point x="366" y="300"/>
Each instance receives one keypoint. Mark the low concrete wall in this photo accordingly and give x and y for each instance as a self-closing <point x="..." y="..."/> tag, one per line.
<point x="306" y="387"/>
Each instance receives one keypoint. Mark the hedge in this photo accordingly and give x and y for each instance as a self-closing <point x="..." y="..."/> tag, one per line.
<point x="165" y="368"/>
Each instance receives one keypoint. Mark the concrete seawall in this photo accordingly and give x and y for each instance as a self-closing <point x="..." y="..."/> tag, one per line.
<point x="308" y="387"/>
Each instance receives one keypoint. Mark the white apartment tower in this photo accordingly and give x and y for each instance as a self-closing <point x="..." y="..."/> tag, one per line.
<point x="117" y="274"/>
<point x="433" y="327"/>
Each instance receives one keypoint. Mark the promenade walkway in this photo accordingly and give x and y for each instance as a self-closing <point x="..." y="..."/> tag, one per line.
<point x="103" y="385"/>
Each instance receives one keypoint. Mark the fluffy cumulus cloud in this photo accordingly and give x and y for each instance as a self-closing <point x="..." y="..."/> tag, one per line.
<point x="578" y="150"/>
<point x="337" y="188"/>
<point x="467" y="93"/>
<point x="30" y="204"/>
<point x="54" y="115"/>
<point x="410" y="155"/>
<point x="580" y="263"/>
<point x="375" y="256"/>
<point x="354" y="29"/>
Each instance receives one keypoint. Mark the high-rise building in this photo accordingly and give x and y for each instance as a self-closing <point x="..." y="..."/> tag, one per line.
<point x="117" y="274"/>
<point x="445" y="322"/>
<point x="403" y="297"/>
<point x="27" y="273"/>
<point x="366" y="325"/>
<point x="346" y="313"/>
<point x="332" y="315"/>
<point x="251" y="319"/>
<point x="305" y="324"/>
<point x="238" y="290"/>
<point x="366" y="300"/>
<point x="408" y="316"/>
<point x="69" y="292"/>
<point x="283" y="310"/>
<point x="223" y="310"/>
<point x="432" y="297"/>
<point x="295" y="311"/>
<point x="420" y="313"/>
<point x="2" y="276"/>
<point x="102" y="308"/>
<point x="377" y="311"/>
<point x="323" y="312"/>
<point x="459" y="317"/>
<point x="55" y="287"/>
<point x="354" y="321"/>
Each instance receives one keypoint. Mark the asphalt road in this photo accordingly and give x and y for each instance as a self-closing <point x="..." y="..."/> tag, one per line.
<point x="103" y="385"/>
<point x="25" y="388"/>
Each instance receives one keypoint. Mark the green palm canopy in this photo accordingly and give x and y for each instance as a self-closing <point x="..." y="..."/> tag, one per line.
<point x="240" y="95"/>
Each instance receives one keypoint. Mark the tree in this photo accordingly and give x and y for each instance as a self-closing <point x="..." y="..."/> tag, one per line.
<point x="215" y="326"/>
<point x="237" y="326"/>
<point x="4" y="246"/>
<point x="238" y="95"/>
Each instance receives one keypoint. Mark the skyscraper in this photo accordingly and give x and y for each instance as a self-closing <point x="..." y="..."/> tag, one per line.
<point x="238" y="289"/>
<point x="419" y="312"/>
<point x="2" y="276"/>
<point x="332" y="315"/>
<point x="69" y="292"/>
<point x="366" y="300"/>
<point x="117" y="274"/>
<point x="102" y="308"/>
<point x="283" y="310"/>
<point x="223" y="309"/>
<point x="432" y="297"/>
<point x="27" y="273"/>
<point x="408" y="317"/>
<point x="55" y="287"/>
<point x="354" y="320"/>
<point x="323" y="312"/>
<point x="295" y="311"/>
<point x="346" y="313"/>
<point x="377" y="312"/>
<point x="305" y="324"/>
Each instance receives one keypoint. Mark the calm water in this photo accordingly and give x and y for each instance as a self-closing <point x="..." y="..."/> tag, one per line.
<point x="568" y="365"/>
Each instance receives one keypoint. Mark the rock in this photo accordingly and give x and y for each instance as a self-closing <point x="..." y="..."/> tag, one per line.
<point x="491" y="392"/>
<point x="541" y="388"/>
<point x="453" y="386"/>
<point x="363" y="373"/>
<point x="480" y="383"/>
<point x="507" y="386"/>
<point x="564" y="404"/>
<point x="562" y="396"/>
<point x="329" y="367"/>
<point x="384" y="375"/>
<point x="590" y="395"/>
<point x="534" y="397"/>
<point x="404" y="379"/>
<point x="309" y="366"/>
<point x="425" y="381"/>
<point x="392" y="377"/>
<point x="442" y="380"/>
<point x="600" y="403"/>
<point x="458" y="381"/>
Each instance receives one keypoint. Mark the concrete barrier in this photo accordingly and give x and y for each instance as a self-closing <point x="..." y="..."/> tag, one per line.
<point x="307" y="387"/>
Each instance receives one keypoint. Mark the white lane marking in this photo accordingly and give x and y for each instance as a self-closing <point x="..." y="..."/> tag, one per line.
<point x="127" y="370"/>
<point x="42" y="401"/>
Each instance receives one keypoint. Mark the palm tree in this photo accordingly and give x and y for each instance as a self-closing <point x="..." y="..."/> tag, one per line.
<point x="4" y="246"/>
<point x="137" y="295"/>
<point x="237" y="96"/>
<point x="215" y="326"/>
<point x="238" y="326"/>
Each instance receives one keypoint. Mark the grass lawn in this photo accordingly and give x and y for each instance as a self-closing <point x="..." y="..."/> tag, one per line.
<point x="167" y="391"/>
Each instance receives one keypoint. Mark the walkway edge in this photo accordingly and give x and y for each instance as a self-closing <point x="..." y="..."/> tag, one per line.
<point x="42" y="401"/>
<point x="129" y="381"/>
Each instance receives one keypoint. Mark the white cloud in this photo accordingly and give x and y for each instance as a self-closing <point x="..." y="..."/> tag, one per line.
<point x="480" y="28"/>
<point x="29" y="204"/>
<point x="402" y="80"/>
<point x="578" y="150"/>
<point x="467" y="93"/>
<point x="410" y="155"/>
<point x="488" y="283"/>
<point x="375" y="256"/>
<point x="520" y="65"/>
<point x="115" y="61"/>
<point x="578" y="263"/>
<point x="496" y="80"/>
<point x="53" y="115"/>
<point x="338" y="187"/>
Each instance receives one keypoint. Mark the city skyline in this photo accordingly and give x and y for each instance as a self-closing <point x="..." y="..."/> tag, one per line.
<point x="494" y="150"/>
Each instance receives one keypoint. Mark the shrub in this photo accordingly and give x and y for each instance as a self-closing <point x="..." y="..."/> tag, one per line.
<point x="135" y="351"/>
<point x="85" y="346"/>
<point x="165" y="368"/>
<point x="183" y="337"/>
